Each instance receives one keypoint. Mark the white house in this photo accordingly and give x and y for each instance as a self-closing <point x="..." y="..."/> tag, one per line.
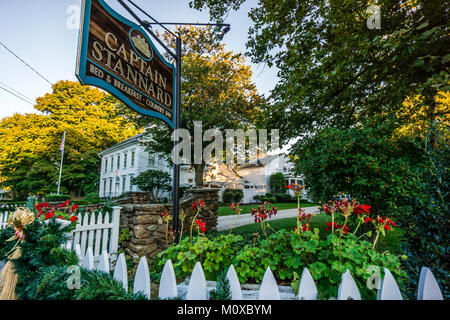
<point x="127" y="159"/>
<point x="254" y="178"/>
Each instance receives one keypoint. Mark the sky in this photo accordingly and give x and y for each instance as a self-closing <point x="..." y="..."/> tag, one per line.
<point x="44" y="33"/>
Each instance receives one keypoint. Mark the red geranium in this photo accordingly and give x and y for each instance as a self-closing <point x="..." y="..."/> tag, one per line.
<point x="49" y="215"/>
<point x="73" y="218"/>
<point x="201" y="225"/>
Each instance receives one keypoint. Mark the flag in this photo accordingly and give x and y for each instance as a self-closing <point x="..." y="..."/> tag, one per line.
<point x="61" y="147"/>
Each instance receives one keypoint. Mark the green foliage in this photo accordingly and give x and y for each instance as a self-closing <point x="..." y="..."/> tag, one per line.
<point x="265" y="198"/>
<point x="214" y="255"/>
<point x="286" y="254"/>
<point x="153" y="181"/>
<point x="363" y="161"/>
<point x="277" y="183"/>
<point x="57" y="197"/>
<point x="426" y="226"/>
<point x="43" y="267"/>
<point x="284" y="197"/>
<point x="29" y="143"/>
<point x="222" y="291"/>
<point x="232" y="195"/>
<point x="333" y="69"/>
<point x="217" y="90"/>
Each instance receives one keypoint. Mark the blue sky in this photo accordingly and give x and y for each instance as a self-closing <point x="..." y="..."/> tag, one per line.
<point x="37" y="31"/>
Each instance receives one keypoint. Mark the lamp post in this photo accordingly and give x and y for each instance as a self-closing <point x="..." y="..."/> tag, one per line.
<point x="177" y="56"/>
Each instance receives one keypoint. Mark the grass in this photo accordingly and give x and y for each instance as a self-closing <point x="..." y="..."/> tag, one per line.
<point x="246" y="208"/>
<point x="389" y="243"/>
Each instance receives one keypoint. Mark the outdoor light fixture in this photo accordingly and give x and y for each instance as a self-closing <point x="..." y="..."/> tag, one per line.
<point x="222" y="33"/>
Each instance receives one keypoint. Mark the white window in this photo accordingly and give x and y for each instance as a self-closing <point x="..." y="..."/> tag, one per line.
<point x="104" y="187"/>
<point x="118" y="162"/>
<point x="106" y="164"/>
<point x="132" y="158"/>
<point x="125" y="156"/>
<point x="151" y="160"/>
<point x="110" y="186"/>
<point x="112" y="163"/>
<point x="131" y="184"/>
<point x="124" y="183"/>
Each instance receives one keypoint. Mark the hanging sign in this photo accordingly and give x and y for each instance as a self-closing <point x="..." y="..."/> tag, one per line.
<point x="117" y="55"/>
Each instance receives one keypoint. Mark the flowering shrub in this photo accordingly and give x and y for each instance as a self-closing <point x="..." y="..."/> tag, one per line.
<point x="62" y="211"/>
<point x="264" y="212"/>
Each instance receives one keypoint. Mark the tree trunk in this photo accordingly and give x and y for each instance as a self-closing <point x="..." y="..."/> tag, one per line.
<point x="199" y="168"/>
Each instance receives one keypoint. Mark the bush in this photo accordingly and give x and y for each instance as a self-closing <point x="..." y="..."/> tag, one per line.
<point x="277" y="183"/>
<point x="57" y="197"/>
<point x="286" y="255"/>
<point x="232" y="195"/>
<point x="379" y="170"/>
<point x="264" y="198"/>
<point x="92" y="198"/>
<point x="43" y="265"/>
<point x="284" y="197"/>
<point x="214" y="255"/>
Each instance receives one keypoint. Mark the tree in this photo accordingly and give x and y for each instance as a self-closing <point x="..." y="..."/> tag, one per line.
<point x="216" y="89"/>
<point x="30" y="143"/>
<point x="366" y="162"/>
<point x="153" y="181"/>
<point x="333" y="69"/>
<point x="277" y="183"/>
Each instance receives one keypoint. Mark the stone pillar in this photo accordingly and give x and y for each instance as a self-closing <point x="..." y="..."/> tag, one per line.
<point x="148" y="230"/>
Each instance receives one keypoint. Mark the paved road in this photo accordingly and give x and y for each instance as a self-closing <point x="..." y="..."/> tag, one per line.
<point x="226" y="222"/>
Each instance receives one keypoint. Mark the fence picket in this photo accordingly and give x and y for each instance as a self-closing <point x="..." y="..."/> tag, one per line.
<point x="307" y="289"/>
<point x="348" y="289"/>
<point x="389" y="289"/>
<point x="114" y="241"/>
<point x="98" y="235"/>
<point x="105" y="233"/>
<point x="142" y="278"/>
<point x="428" y="286"/>
<point x="120" y="271"/>
<point x="269" y="289"/>
<point x="235" y="286"/>
<point x="103" y="264"/>
<point x="88" y="261"/>
<point x="91" y="233"/>
<point x="197" y="284"/>
<point x="85" y="222"/>
<point x="78" y="251"/>
<point x="168" y="282"/>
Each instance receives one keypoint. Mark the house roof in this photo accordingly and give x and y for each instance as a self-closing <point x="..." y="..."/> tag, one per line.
<point x="260" y="162"/>
<point x="121" y="144"/>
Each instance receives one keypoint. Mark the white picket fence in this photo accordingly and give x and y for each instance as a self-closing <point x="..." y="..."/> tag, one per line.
<point x="98" y="231"/>
<point x="197" y="288"/>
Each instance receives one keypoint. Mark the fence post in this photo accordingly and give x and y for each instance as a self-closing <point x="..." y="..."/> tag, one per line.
<point x="114" y="241"/>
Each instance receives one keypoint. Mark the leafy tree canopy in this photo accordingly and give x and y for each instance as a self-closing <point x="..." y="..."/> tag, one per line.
<point x="153" y="181"/>
<point x="30" y="143"/>
<point x="333" y="69"/>
<point x="216" y="89"/>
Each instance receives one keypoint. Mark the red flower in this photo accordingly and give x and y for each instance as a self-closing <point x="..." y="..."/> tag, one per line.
<point x="201" y="225"/>
<point x="367" y="220"/>
<point x="232" y="206"/>
<point x="49" y="215"/>
<point x="60" y="217"/>
<point x="73" y="218"/>
<point x="165" y="213"/>
<point x="74" y="207"/>
<point x="289" y="186"/>
<point x="387" y="227"/>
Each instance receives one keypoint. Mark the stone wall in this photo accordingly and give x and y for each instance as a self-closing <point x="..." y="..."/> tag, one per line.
<point x="147" y="229"/>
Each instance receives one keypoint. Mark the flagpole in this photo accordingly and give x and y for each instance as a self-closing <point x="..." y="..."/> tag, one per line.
<point x="62" y="157"/>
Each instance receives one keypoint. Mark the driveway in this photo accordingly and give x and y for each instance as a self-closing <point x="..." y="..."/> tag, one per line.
<point x="226" y="222"/>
